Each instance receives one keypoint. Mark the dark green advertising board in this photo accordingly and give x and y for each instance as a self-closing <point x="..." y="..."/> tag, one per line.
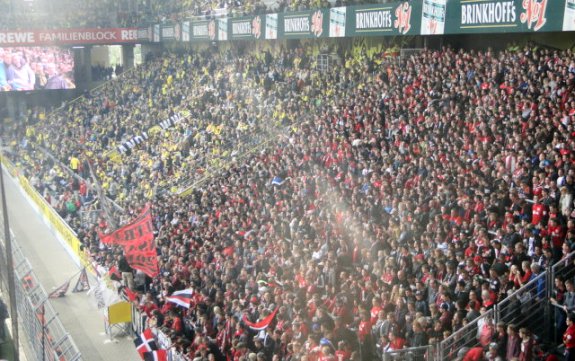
<point x="247" y="27"/>
<point x="422" y="17"/>
<point x="204" y="30"/>
<point x="398" y="18"/>
<point x="500" y="16"/>
<point x="304" y="24"/>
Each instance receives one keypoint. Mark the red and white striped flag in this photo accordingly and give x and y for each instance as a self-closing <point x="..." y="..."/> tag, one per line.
<point x="181" y="298"/>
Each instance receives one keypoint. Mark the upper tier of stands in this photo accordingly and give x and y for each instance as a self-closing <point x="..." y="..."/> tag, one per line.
<point x="126" y="13"/>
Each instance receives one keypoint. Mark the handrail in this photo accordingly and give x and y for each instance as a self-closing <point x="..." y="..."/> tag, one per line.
<point x="542" y="299"/>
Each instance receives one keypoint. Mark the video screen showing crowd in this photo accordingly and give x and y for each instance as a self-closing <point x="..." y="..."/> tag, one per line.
<point x="36" y="68"/>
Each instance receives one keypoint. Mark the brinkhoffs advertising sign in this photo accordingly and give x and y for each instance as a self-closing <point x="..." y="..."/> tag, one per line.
<point x="477" y="16"/>
<point x="403" y="18"/>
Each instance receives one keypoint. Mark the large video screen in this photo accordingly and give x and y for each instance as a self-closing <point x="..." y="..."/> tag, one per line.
<point x="36" y="68"/>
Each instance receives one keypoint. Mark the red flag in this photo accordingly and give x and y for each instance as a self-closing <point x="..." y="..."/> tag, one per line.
<point x="139" y="231"/>
<point x="261" y="325"/>
<point x="113" y="272"/>
<point x="137" y="238"/>
<point x="146" y="261"/>
<point x="132" y="296"/>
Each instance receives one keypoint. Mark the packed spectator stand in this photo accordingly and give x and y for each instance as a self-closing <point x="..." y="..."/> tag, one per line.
<point x="397" y="203"/>
<point x="128" y="13"/>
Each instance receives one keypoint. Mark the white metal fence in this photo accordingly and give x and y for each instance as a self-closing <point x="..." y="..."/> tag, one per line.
<point x="45" y="337"/>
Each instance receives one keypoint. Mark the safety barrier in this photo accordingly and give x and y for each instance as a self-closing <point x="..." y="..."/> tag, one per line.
<point x="51" y="218"/>
<point x="529" y="307"/>
<point x="466" y="337"/>
<point x="162" y="340"/>
<point x="565" y="270"/>
<point x="46" y="338"/>
<point x="423" y="353"/>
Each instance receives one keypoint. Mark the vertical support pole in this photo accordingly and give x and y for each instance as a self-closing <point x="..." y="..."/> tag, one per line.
<point x="10" y="269"/>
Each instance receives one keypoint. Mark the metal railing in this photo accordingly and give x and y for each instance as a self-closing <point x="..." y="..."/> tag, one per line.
<point x="528" y="307"/>
<point x="449" y="348"/>
<point x="422" y="353"/>
<point x="45" y="336"/>
<point x="565" y="270"/>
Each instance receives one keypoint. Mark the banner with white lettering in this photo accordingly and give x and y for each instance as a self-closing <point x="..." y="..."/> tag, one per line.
<point x="145" y="34"/>
<point x="569" y="17"/>
<point x="398" y="18"/>
<point x="156" y="32"/>
<point x="168" y="32"/>
<point x="102" y="296"/>
<point x="304" y="24"/>
<point x="271" y="24"/>
<point x="247" y="27"/>
<point x="68" y="37"/>
<point x="501" y="16"/>
<point x="433" y="17"/>
<point x="337" y="22"/>
<point x="185" y="31"/>
<point x="204" y="30"/>
<point x="222" y="25"/>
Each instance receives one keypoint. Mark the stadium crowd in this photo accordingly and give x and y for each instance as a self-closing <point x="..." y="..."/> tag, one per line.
<point x="405" y="201"/>
<point x="58" y="14"/>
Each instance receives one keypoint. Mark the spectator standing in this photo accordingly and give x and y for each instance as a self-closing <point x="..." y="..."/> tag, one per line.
<point x="3" y="316"/>
<point x="569" y="338"/>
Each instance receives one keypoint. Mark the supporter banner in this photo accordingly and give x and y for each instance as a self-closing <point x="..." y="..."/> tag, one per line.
<point x="136" y="140"/>
<point x="68" y="36"/>
<point x="146" y="262"/>
<point x="433" y="17"/>
<point x="304" y="24"/>
<point x="156" y="33"/>
<point x="137" y="239"/>
<point x="249" y="27"/>
<point x="168" y="33"/>
<point x="337" y="22"/>
<point x="271" y="26"/>
<point x="139" y="231"/>
<point x="476" y="16"/>
<point x="186" y="31"/>
<point x="145" y="34"/>
<point x="569" y="16"/>
<point x="203" y="30"/>
<point x="102" y="296"/>
<point x="401" y="18"/>
<point x="222" y="25"/>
